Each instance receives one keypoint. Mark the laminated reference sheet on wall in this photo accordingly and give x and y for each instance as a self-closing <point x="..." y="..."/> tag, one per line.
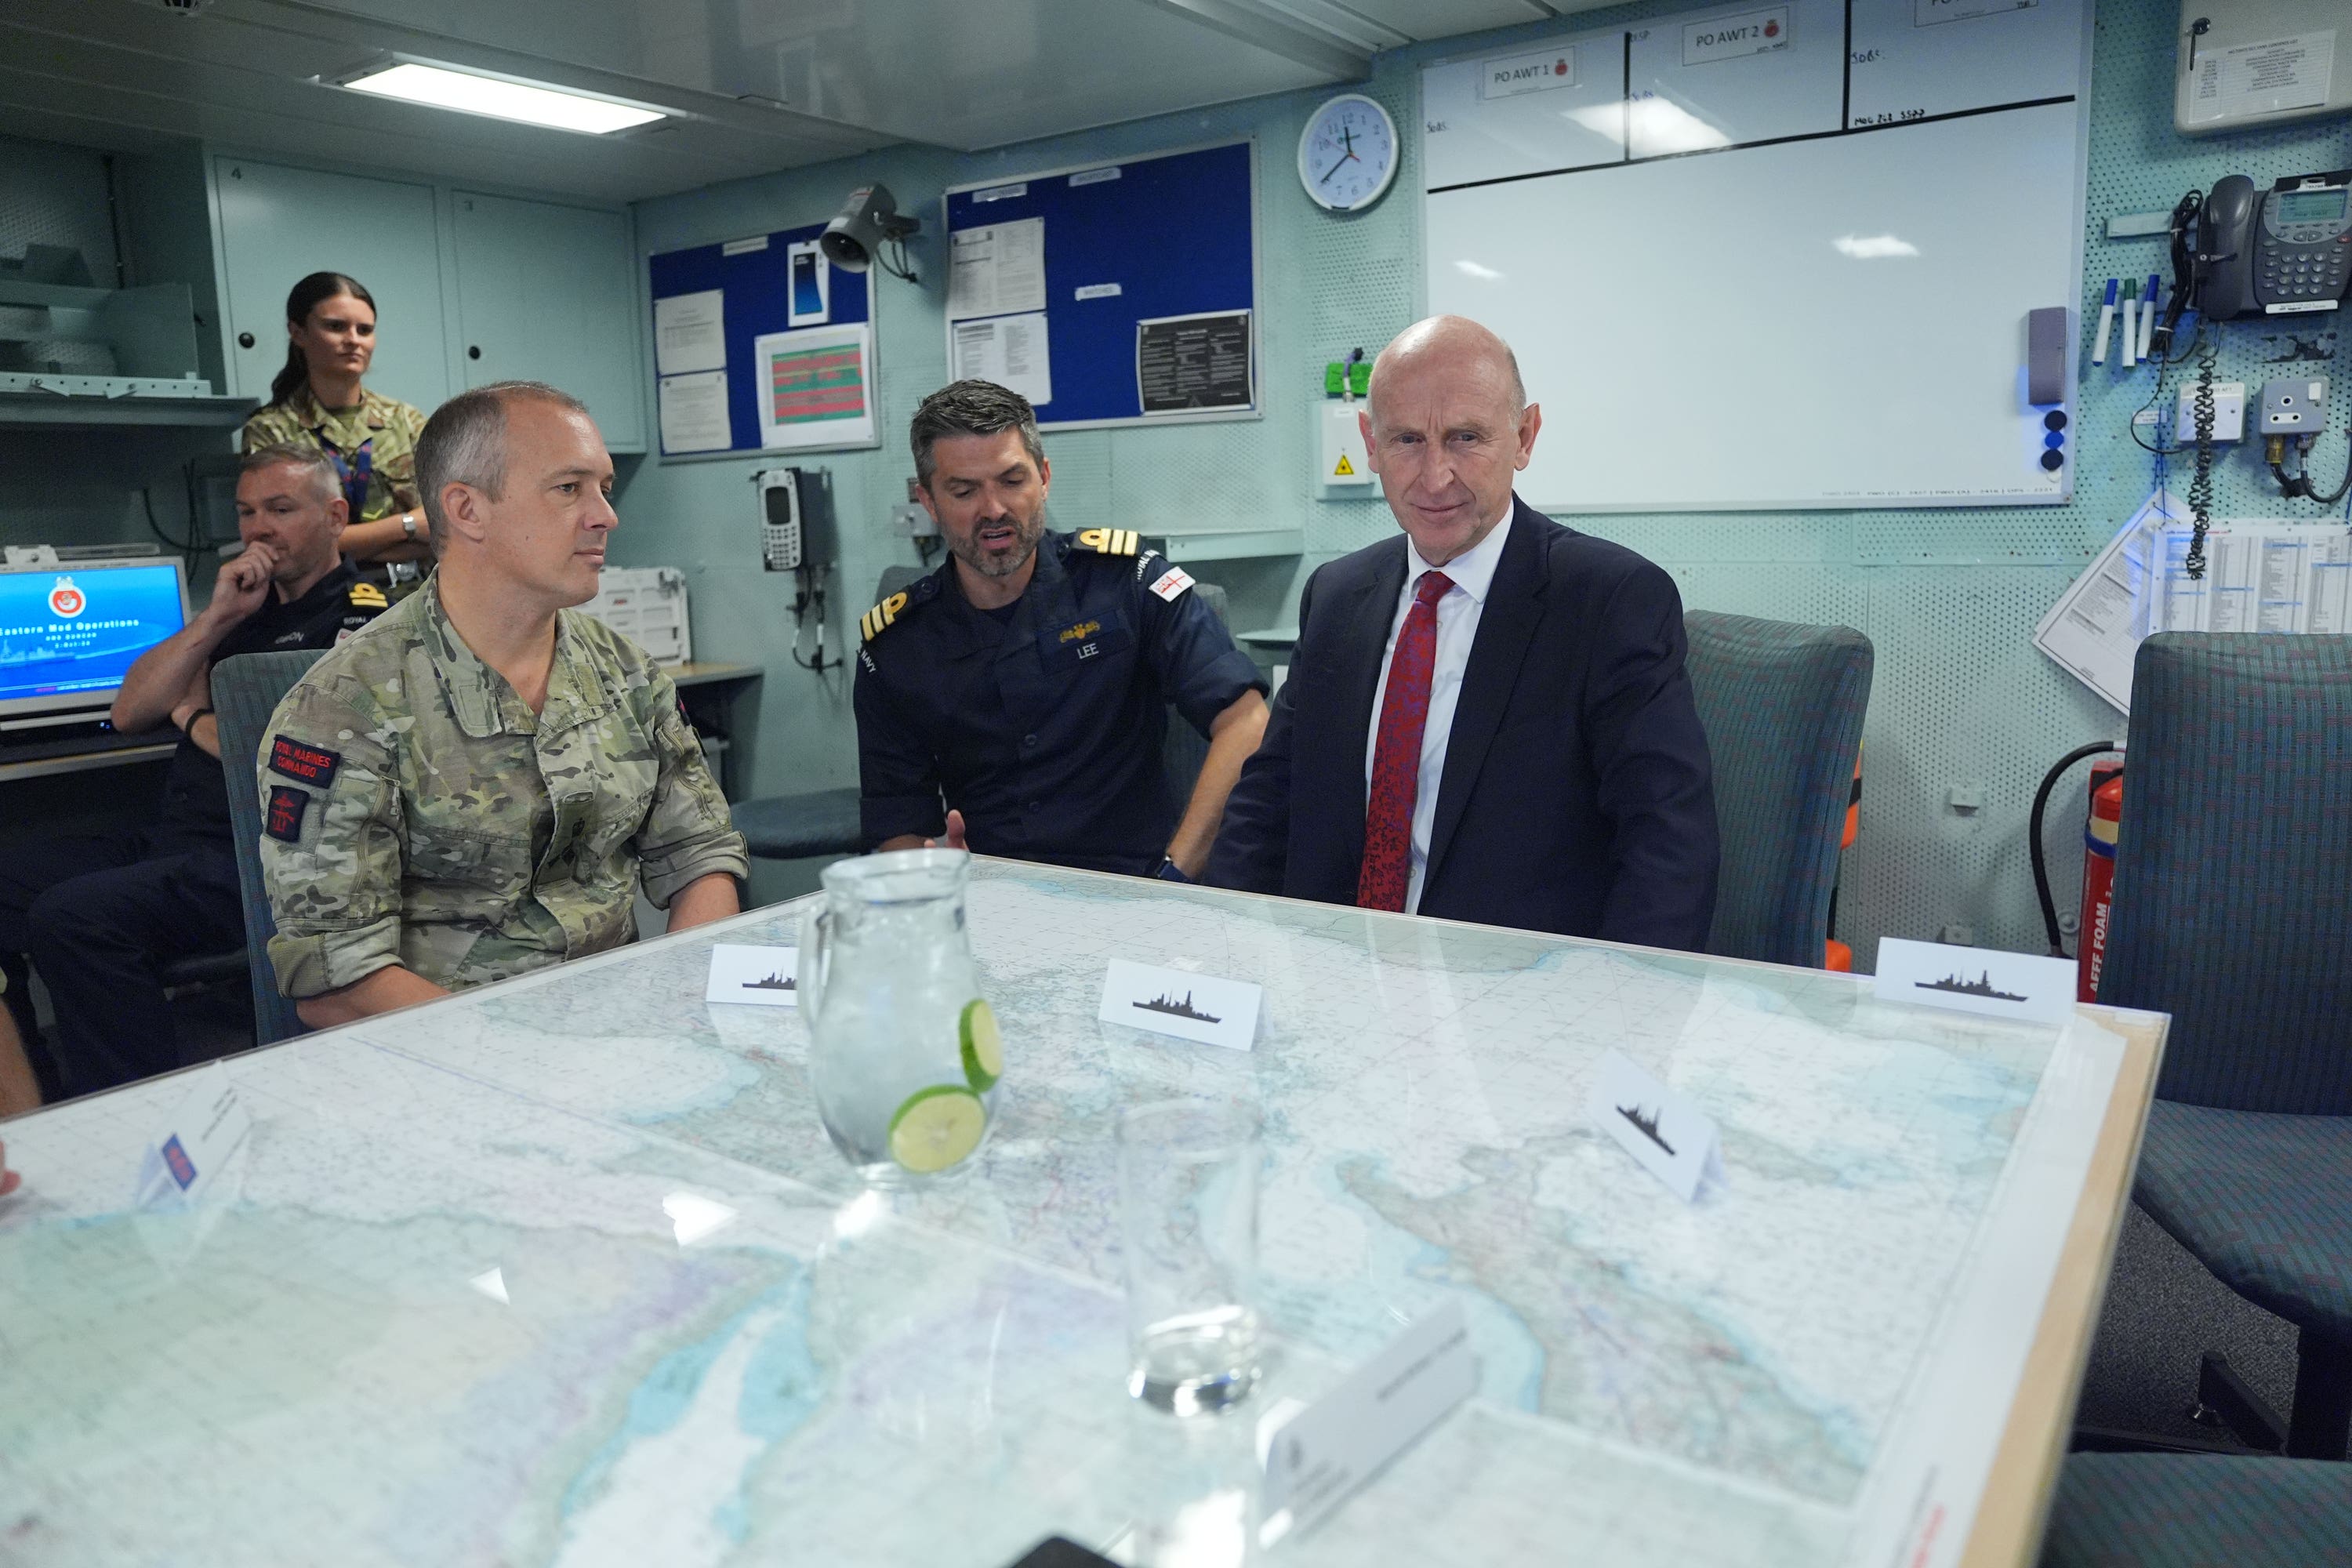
<point x="2261" y="575"/>
<point x="1014" y="352"/>
<point x="999" y="271"/>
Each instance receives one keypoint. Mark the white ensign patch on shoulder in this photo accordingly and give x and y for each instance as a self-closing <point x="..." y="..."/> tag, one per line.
<point x="1171" y="583"/>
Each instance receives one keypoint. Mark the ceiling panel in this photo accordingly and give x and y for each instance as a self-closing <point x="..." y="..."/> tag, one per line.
<point x="1424" y="19"/>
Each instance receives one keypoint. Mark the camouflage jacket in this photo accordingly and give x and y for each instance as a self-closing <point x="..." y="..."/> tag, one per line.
<point x="415" y="811"/>
<point x="387" y="425"/>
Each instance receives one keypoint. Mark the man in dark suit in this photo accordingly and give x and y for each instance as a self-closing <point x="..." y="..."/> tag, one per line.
<point x="1486" y="719"/>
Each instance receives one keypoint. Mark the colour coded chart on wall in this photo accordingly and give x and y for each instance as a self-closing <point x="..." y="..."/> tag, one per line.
<point x="760" y="345"/>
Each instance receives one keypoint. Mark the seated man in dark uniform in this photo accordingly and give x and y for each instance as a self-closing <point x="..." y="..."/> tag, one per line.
<point x="1016" y="698"/>
<point x="101" y="913"/>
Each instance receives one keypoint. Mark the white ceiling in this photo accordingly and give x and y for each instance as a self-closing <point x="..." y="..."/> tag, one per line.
<point x="751" y="85"/>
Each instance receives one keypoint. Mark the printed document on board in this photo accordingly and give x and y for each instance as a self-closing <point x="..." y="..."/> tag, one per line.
<point x="690" y="333"/>
<point x="997" y="270"/>
<point x="1011" y="350"/>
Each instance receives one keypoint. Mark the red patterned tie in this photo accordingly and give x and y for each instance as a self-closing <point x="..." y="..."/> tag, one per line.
<point x="1387" y="870"/>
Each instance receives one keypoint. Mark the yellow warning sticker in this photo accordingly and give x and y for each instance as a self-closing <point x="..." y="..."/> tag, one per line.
<point x="1346" y="468"/>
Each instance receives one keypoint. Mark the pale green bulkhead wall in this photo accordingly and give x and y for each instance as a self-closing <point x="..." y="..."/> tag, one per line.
<point x="1949" y="598"/>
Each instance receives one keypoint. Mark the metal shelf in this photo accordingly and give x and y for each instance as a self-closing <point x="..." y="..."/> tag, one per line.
<point x="1216" y="543"/>
<point x="94" y="400"/>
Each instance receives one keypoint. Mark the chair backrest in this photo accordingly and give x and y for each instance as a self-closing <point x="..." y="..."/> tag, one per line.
<point x="1781" y="705"/>
<point x="246" y="691"/>
<point x="1185" y="748"/>
<point x="2231" y="866"/>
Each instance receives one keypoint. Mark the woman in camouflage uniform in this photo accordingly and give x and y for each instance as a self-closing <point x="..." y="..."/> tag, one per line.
<point x="318" y="401"/>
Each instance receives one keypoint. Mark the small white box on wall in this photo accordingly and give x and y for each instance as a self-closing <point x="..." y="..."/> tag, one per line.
<point x="647" y="606"/>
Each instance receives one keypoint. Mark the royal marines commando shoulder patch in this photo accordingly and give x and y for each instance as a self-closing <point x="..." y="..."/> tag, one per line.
<point x="1108" y="541"/>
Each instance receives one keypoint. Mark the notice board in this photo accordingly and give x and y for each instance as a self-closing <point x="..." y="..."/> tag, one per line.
<point x="761" y="345"/>
<point x="1122" y="293"/>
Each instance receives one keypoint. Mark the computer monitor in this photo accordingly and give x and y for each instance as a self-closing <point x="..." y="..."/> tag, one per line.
<point x="68" y="634"/>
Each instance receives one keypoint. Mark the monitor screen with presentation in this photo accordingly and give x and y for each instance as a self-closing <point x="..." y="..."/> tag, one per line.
<point x="68" y="634"/>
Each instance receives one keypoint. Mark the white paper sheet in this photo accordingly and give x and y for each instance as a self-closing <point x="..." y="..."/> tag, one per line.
<point x="754" y="977"/>
<point x="1014" y="351"/>
<point x="2261" y="78"/>
<point x="694" y="413"/>
<point x="998" y="271"/>
<point x="815" y="387"/>
<point x="690" y="333"/>
<point x="2260" y="576"/>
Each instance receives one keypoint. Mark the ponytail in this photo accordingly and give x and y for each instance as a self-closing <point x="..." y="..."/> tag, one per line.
<point x="306" y="297"/>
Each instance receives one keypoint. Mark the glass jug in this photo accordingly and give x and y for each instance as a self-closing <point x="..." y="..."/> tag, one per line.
<point x="904" y="1052"/>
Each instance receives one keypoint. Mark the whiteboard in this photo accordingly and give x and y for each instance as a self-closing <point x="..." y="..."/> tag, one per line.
<point x="1772" y="256"/>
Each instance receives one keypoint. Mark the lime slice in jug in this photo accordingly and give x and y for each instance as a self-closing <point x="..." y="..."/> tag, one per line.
<point x="983" y="1045"/>
<point x="936" y="1128"/>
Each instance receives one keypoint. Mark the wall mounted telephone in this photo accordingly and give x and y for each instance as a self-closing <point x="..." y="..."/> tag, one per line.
<point x="2276" y="252"/>
<point x="782" y="536"/>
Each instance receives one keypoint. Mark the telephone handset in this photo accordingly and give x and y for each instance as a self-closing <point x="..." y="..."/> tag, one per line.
<point x="2276" y="252"/>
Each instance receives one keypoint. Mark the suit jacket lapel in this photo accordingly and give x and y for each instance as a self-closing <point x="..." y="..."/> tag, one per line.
<point x="1367" y="613"/>
<point x="1506" y="630"/>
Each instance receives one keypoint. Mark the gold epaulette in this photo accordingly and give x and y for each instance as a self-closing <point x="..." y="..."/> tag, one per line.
<point x="368" y="596"/>
<point x="1108" y="541"/>
<point x="871" y="623"/>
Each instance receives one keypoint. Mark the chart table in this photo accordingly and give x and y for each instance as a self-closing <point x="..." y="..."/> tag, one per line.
<point x="564" y="1270"/>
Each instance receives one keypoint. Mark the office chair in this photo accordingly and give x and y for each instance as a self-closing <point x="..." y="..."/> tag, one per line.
<point x="2186" y="1511"/>
<point x="246" y="691"/>
<point x="1781" y="705"/>
<point x="2229" y="914"/>
<point x="814" y="822"/>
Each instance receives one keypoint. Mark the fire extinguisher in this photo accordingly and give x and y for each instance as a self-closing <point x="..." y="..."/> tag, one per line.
<point x="2101" y="825"/>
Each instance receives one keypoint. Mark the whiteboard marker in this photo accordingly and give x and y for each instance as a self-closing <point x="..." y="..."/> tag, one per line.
<point x="2147" y="316"/>
<point x="2106" y="325"/>
<point x="2131" y="330"/>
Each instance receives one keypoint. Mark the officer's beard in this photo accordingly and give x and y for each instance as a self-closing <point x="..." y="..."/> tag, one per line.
<point x="1026" y="533"/>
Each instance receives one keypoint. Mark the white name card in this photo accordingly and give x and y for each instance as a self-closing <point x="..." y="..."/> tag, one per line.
<point x="204" y="1132"/>
<point x="755" y="976"/>
<point x="1976" y="980"/>
<point x="1664" y="1130"/>
<point x="1316" y="1458"/>
<point x="1177" y="1001"/>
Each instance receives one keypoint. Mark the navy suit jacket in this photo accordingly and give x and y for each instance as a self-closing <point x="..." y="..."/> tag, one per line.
<point x="1577" y="795"/>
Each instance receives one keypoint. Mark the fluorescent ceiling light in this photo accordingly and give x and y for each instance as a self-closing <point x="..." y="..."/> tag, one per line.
<point x="441" y="88"/>
<point x="1874" y="246"/>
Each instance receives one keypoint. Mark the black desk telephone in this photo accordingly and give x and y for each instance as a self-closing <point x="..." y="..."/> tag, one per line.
<point x="2276" y="252"/>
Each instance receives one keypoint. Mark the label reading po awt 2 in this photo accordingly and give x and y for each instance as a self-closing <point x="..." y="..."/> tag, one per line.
<point x="1735" y="37"/>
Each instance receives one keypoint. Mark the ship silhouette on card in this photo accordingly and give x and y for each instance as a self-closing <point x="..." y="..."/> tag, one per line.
<point x="1980" y="986"/>
<point x="1646" y="1125"/>
<point x="774" y="982"/>
<point x="1163" y="1003"/>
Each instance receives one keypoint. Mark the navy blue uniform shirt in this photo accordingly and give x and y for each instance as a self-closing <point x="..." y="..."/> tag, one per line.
<point x="1042" y="725"/>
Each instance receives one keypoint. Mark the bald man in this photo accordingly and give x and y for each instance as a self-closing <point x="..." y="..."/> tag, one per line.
<point x="1488" y="717"/>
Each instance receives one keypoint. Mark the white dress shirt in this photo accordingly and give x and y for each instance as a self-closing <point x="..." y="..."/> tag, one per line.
<point x="1473" y="575"/>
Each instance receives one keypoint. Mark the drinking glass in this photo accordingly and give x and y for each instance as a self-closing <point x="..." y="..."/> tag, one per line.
<point x="1188" y="1179"/>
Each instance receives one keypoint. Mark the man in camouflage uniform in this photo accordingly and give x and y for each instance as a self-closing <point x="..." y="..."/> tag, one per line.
<point x="374" y="448"/>
<point x="473" y="787"/>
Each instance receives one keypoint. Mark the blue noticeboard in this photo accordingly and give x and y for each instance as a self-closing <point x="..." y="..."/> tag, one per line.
<point x="1169" y="234"/>
<point x="756" y="278"/>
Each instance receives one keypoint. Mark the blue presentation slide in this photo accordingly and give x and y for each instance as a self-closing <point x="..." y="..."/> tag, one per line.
<point x="66" y="630"/>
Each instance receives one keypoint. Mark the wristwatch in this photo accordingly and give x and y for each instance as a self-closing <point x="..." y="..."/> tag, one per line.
<point x="408" y="525"/>
<point x="1169" y="871"/>
<point x="189" y="728"/>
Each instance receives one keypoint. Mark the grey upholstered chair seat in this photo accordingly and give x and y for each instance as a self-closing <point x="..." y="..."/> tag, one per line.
<point x="789" y="827"/>
<point x="2265" y="1201"/>
<point x="246" y="692"/>
<point x="1782" y="706"/>
<point x="2197" y="1511"/>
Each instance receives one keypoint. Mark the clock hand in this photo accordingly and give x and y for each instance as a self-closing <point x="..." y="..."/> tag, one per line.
<point x="1336" y="167"/>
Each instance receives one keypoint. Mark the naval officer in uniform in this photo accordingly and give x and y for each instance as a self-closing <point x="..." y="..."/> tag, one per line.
<point x="1016" y="698"/>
